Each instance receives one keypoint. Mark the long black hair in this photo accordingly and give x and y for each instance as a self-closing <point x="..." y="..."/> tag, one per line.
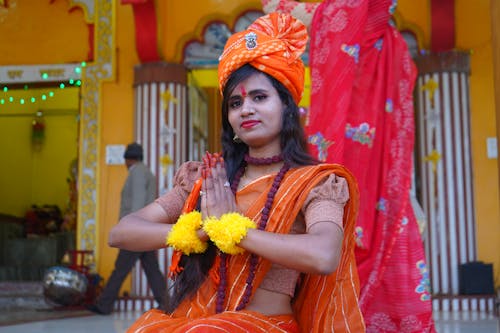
<point x="294" y="151"/>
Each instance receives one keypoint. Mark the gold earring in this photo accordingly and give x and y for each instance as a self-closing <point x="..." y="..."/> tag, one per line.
<point x="236" y="139"/>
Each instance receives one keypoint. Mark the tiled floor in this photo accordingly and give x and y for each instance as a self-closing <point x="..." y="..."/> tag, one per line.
<point x="118" y="323"/>
<point x="466" y="322"/>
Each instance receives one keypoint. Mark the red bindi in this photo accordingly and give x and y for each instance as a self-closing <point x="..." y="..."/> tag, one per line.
<point x="243" y="91"/>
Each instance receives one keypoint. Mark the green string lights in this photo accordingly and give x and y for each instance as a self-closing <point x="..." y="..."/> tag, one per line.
<point x="6" y="96"/>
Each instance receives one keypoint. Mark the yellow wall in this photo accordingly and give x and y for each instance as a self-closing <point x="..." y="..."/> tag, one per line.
<point x="495" y="18"/>
<point x="473" y="31"/>
<point x="30" y="176"/>
<point x="40" y="32"/>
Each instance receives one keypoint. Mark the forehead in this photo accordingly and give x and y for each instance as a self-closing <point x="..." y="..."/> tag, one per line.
<point x="257" y="81"/>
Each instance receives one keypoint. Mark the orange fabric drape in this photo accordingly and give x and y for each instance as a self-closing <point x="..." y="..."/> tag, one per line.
<point x="323" y="304"/>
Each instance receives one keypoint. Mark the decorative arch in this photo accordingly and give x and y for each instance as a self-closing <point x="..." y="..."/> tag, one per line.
<point x="204" y="51"/>
<point x="412" y="33"/>
<point x="211" y="34"/>
<point x="87" y="6"/>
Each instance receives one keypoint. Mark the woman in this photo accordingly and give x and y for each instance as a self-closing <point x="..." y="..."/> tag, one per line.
<point x="280" y="256"/>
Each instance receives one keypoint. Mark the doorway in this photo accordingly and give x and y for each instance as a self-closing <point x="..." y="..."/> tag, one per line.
<point x="38" y="176"/>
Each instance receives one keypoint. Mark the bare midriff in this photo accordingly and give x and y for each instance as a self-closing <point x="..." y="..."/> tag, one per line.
<point x="270" y="303"/>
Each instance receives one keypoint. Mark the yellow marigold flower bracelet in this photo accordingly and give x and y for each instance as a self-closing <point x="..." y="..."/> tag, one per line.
<point x="183" y="235"/>
<point x="225" y="232"/>
<point x="228" y="231"/>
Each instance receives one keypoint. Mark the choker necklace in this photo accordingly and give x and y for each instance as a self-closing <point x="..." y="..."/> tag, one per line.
<point x="254" y="259"/>
<point x="263" y="161"/>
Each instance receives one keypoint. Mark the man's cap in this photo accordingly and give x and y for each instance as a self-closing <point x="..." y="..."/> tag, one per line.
<point x="133" y="152"/>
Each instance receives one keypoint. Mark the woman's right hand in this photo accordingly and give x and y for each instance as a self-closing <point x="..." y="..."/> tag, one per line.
<point x="217" y="197"/>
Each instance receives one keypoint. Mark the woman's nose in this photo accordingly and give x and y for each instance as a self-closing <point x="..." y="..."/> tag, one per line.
<point x="247" y="107"/>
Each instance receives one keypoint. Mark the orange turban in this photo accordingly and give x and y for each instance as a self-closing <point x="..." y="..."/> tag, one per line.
<point x="272" y="44"/>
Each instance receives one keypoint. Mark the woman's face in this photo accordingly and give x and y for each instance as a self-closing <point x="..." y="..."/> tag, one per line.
<point x="254" y="112"/>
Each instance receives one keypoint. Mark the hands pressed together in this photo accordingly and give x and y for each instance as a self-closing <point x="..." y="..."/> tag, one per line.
<point x="217" y="197"/>
<point x="218" y="220"/>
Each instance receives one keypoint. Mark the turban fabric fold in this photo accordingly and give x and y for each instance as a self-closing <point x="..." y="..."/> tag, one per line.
<point x="272" y="44"/>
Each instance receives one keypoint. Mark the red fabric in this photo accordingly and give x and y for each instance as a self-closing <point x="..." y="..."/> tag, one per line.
<point x="126" y="2"/>
<point x="361" y="116"/>
<point x="442" y="25"/>
<point x="146" y="40"/>
<point x="90" y="55"/>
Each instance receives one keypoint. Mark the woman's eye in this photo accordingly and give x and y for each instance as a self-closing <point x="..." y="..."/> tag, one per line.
<point x="234" y="104"/>
<point x="258" y="98"/>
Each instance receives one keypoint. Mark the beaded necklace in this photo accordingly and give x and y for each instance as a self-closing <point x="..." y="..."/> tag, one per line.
<point x="254" y="259"/>
<point x="263" y="161"/>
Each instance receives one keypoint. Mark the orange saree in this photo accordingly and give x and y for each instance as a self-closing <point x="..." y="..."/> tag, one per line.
<point x="323" y="303"/>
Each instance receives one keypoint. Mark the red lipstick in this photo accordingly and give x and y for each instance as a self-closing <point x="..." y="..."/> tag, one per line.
<point x="249" y="123"/>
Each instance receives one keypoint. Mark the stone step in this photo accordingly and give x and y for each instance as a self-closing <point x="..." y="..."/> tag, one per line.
<point x="21" y="288"/>
<point x="22" y="273"/>
<point x="21" y="295"/>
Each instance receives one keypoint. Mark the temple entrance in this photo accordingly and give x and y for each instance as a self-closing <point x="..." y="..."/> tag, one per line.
<point x="39" y="125"/>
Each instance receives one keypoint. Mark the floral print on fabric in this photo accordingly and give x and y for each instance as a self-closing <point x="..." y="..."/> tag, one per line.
<point x="351" y="50"/>
<point x="321" y="144"/>
<point x="359" y="236"/>
<point x="424" y="287"/>
<point x="362" y="134"/>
